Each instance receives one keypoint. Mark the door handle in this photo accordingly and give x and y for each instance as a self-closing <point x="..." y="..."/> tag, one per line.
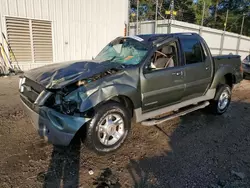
<point x="177" y="73"/>
<point x="207" y="68"/>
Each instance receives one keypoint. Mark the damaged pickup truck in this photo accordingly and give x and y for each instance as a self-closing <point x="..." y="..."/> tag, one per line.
<point x="134" y="78"/>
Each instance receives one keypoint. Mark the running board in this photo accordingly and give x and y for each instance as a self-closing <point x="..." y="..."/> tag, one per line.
<point x="169" y="117"/>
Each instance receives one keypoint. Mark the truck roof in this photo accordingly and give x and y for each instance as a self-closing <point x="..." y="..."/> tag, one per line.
<point x="150" y="39"/>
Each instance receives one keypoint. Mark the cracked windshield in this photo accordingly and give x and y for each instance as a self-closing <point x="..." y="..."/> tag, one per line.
<point x="126" y="51"/>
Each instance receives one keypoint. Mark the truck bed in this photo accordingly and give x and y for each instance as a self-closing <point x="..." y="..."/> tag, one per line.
<point x="233" y="60"/>
<point x="230" y="62"/>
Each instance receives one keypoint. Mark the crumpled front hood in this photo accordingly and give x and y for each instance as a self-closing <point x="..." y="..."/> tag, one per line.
<point x="58" y="75"/>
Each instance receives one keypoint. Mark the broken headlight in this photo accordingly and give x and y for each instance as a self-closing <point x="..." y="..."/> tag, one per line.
<point x="69" y="103"/>
<point x="69" y="107"/>
<point x="65" y="106"/>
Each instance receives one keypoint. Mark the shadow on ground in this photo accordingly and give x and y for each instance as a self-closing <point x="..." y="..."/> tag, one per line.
<point x="64" y="167"/>
<point x="206" y="151"/>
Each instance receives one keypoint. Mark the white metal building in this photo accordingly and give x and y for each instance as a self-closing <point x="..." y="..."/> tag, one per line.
<point x="44" y="31"/>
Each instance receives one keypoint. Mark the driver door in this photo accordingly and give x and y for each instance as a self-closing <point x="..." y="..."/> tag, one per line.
<point x="165" y="86"/>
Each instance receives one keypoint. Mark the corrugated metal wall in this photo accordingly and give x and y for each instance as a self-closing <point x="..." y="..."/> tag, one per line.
<point x="80" y="28"/>
<point x="213" y="37"/>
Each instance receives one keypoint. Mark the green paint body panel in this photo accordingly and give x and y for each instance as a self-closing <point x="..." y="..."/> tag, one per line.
<point x="227" y="65"/>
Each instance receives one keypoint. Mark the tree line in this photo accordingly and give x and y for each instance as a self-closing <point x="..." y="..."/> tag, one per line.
<point x="212" y="12"/>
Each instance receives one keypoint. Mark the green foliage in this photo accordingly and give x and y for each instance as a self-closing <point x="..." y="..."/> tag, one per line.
<point x="236" y="10"/>
<point x="146" y="10"/>
<point x="199" y="8"/>
<point x="192" y="11"/>
<point x="185" y="11"/>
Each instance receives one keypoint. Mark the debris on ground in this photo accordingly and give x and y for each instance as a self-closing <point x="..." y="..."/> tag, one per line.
<point x="240" y="175"/>
<point x="222" y="183"/>
<point x="107" y="180"/>
<point x="91" y="172"/>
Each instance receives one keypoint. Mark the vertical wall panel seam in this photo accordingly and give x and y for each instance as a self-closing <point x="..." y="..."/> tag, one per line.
<point x="69" y="38"/>
<point x="85" y="29"/>
<point x="49" y="11"/>
<point x="80" y="28"/>
<point x="54" y="34"/>
<point x="40" y="4"/>
<point x="63" y="39"/>
<point x="106" y="20"/>
<point x="17" y="11"/>
<point x="73" y="31"/>
<point x="75" y="28"/>
<point x="33" y="7"/>
<point x="88" y="32"/>
<point x="95" y="28"/>
<point x="64" y="53"/>
<point x="25" y="8"/>
<point x="8" y="7"/>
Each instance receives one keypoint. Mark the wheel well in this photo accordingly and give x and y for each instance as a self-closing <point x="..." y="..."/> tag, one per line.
<point x="124" y="100"/>
<point x="127" y="102"/>
<point x="230" y="79"/>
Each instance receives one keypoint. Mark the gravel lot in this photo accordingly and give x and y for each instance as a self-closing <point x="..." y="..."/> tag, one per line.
<point x="197" y="150"/>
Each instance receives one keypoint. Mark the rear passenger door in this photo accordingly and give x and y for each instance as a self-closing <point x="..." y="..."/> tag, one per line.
<point x="198" y="67"/>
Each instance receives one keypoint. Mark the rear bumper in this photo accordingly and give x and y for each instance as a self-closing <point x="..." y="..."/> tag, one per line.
<point x="56" y="128"/>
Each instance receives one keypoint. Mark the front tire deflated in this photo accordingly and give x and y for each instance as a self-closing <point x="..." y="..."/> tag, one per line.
<point x="108" y="128"/>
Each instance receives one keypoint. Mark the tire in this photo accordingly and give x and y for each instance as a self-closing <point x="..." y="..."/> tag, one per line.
<point x="221" y="102"/>
<point x="100" y="132"/>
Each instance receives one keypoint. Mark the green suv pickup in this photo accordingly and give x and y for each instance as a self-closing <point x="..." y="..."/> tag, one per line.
<point x="133" y="79"/>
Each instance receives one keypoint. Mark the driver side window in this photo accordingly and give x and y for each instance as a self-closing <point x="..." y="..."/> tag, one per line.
<point x="165" y="57"/>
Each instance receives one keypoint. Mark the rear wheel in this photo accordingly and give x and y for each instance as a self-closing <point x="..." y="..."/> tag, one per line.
<point x="221" y="102"/>
<point x="109" y="128"/>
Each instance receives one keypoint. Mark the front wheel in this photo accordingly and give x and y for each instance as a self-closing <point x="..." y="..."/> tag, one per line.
<point x="109" y="128"/>
<point x="222" y="99"/>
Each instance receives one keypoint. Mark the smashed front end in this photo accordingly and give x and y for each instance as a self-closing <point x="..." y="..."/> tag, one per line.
<point x="58" y="113"/>
<point x="57" y="125"/>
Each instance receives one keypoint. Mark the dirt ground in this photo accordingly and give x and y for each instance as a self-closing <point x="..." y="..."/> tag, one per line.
<point x="197" y="150"/>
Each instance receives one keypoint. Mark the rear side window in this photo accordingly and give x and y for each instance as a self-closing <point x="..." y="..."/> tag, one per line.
<point x="193" y="50"/>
